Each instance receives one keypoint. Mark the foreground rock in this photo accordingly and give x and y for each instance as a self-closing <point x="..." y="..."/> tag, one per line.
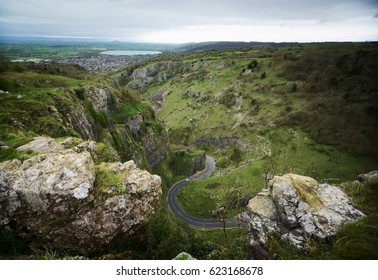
<point x="63" y="200"/>
<point x="297" y="208"/>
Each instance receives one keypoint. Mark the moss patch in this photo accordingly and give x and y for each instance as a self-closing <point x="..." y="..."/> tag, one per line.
<point x="305" y="187"/>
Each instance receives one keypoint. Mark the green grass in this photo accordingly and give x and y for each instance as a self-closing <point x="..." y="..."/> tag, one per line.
<point x="203" y="197"/>
<point x="106" y="179"/>
<point x="129" y="110"/>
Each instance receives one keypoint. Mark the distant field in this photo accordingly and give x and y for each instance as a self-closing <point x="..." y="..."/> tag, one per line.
<point x="66" y="50"/>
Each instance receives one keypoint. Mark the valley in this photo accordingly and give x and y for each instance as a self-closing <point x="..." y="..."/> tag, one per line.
<point x="259" y="111"/>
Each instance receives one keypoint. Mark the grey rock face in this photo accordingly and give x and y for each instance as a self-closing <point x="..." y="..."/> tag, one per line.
<point x="158" y="99"/>
<point x="42" y="144"/>
<point x="156" y="147"/>
<point x="135" y="124"/>
<point x="78" y="118"/>
<point x="46" y="185"/>
<point x="99" y="97"/>
<point x="56" y="198"/>
<point x="297" y="208"/>
<point x="199" y="162"/>
<point x="157" y="72"/>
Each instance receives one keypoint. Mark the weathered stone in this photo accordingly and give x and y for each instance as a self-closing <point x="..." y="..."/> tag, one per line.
<point x="99" y="97"/>
<point x="45" y="186"/>
<point x="371" y="177"/>
<point x="158" y="99"/>
<point x="52" y="110"/>
<point x="222" y="142"/>
<point x="155" y="146"/>
<point x="53" y="197"/>
<point x="87" y="146"/>
<point x="74" y="115"/>
<point x="195" y="94"/>
<point x="157" y="72"/>
<point x="135" y="124"/>
<point x="42" y="145"/>
<point x="297" y="208"/>
<point x="262" y="213"/>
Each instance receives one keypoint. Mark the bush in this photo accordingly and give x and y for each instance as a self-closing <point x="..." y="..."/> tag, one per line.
<point x="228" y="99"/>
<point x="252" y="65"/>
<point x="237" y="155"/>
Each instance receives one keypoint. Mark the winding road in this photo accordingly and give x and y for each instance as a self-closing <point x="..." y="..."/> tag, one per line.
<point x="192" y="220"/>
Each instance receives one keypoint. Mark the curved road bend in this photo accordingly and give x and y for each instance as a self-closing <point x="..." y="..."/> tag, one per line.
<point x="196" y="221"/>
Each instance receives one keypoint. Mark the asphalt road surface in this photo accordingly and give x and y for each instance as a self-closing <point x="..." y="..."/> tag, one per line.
<point x="196" y="221"/>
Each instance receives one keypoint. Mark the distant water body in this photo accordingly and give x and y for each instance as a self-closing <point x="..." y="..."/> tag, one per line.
<point x="130" y="52"/>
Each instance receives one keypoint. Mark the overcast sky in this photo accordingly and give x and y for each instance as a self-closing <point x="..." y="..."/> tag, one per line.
<point x="179" y="21"/>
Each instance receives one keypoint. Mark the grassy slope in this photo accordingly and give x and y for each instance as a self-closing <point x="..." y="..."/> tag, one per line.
<point x="313" y="113"/>
<point x="311" y="104"/>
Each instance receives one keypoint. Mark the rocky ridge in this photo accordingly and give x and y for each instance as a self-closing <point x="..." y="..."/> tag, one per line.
<point x="157" y="72"/>
<point x="296" y="208"/>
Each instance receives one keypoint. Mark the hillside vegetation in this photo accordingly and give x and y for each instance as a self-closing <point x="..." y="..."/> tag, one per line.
<point x="310" y="109"/>
<point x="260" y="111"/>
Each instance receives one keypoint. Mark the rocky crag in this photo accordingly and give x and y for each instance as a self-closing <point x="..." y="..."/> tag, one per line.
<point x="60" y="198"/>
<point x="296" y="209"/>
<point x="77" y="163"/>
<point x="157" y="72"/>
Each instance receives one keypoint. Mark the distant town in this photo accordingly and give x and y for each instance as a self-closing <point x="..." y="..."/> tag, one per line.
<point x="102" y="63"/>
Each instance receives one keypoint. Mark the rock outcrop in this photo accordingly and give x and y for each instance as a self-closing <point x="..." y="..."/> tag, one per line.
<point x="99" y="97"/>
<point x="157" y="72"/>
<point x="199" y="162"/>
<point x="63" y="200"/>
<point x="42" y="144"/>
<point x="75" y="116"/>
<point x="221" y="142"/>
<point x="371" y="177"/>
<point x="158" y="99"/>
<point x="297" y="208"/>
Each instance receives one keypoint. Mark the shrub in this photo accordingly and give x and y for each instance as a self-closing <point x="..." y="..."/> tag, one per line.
<point x="252" y="65"/>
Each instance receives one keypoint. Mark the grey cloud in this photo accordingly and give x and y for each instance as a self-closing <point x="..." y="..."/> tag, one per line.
<point x="125" y="18"/>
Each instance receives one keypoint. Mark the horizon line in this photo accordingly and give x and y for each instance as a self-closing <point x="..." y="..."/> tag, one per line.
<point x="117" y="40"/>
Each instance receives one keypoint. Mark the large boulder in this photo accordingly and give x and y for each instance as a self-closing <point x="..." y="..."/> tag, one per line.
<point x="297" y="208"/>
<point x="63" y="200"/>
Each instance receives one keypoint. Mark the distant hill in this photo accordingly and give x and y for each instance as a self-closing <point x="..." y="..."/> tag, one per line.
<point x="225" y="45"/>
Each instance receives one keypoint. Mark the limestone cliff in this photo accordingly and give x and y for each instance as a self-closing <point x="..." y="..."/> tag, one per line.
<point x="103" y="114"/>
<point x="156" y="72"/>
